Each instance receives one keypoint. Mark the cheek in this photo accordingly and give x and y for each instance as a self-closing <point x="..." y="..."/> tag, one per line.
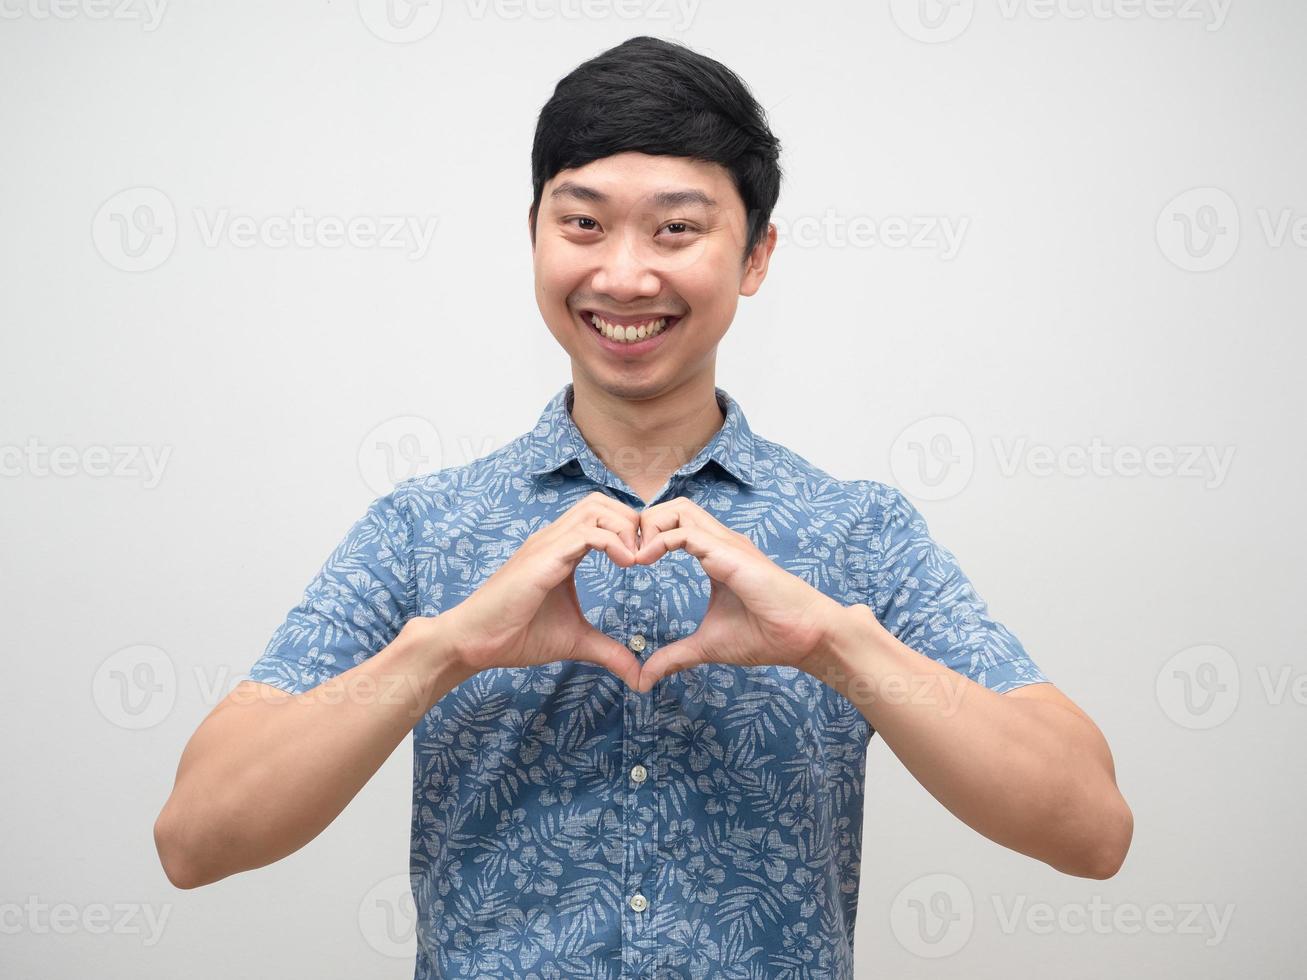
<point x="709" y="287"/>
<point x="556" y="277"/>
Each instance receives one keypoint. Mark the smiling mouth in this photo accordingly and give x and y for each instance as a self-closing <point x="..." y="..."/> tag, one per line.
<point x="629" y="331"/>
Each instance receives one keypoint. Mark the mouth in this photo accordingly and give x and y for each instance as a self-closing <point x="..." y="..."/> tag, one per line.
<point x="629" y="335"/>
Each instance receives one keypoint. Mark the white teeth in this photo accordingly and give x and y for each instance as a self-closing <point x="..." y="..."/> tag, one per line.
<point x="628" y="334"/>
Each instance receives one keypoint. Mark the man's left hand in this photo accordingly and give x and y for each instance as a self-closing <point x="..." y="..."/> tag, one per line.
<point x="758" y="613"/>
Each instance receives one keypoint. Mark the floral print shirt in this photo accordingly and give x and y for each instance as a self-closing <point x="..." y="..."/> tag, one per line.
<point x="565" y="826"/>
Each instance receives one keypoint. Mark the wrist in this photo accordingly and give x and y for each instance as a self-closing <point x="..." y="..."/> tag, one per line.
<point x="851" y="635"/>
<point x="437" y="643"/>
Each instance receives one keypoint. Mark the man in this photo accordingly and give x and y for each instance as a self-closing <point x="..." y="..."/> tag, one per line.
<point x="641" y="649"/>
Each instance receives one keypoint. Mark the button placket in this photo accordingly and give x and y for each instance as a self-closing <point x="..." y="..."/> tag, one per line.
<point x="640" y="817"/>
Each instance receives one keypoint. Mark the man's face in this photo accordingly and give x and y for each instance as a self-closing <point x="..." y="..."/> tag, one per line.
<point x="637" y="238"/>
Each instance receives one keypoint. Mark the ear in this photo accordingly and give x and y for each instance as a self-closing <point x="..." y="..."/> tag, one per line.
<point x="530" y="226"/>
<point x="755" y="267"/>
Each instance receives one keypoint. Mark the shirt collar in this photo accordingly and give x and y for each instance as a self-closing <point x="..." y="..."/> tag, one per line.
<point x="556" y="441"/>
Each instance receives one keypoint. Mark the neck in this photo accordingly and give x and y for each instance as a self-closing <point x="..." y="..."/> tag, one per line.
<point x="644" y="441"/>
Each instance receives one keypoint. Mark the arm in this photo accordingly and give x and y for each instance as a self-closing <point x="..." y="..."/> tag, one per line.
<point x="267" y="771"/>
<point x="1027" y="769"/>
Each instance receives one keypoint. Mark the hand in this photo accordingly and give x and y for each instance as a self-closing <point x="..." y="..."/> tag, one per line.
<point x="527" y="613"/>
<point x="758" y="613"/>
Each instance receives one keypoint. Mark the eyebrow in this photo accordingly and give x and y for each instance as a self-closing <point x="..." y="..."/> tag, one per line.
<point x="662" y="199"/>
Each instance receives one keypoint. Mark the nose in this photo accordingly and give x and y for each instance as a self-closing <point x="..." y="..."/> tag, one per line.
<point x="624" y="274"/>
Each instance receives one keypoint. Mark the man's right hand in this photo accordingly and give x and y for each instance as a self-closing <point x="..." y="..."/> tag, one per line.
<point x="527" y="613"/>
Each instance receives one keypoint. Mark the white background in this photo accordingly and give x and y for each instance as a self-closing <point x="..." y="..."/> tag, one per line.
<point x="1066" y="139"/>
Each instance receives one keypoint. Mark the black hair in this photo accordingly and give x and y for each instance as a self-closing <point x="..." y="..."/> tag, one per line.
<point x="647" y="95"/>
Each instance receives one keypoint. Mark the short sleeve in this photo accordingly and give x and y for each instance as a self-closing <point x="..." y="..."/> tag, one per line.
<point x="919" y="594"/>
<point x="354" y="606"/>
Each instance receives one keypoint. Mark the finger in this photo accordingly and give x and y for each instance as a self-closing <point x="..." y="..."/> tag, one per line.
<point x="661" y="517"/>
<point x="599" y="648"/>
<point x="680" y="512"/>
<point x="666" y="661"/>
<point x="696" y="541"/>
<point x="623" y="527"/>
<point x="654" y="522"/>
<point x="580" y="541"/>
<point x="600" y="510"/>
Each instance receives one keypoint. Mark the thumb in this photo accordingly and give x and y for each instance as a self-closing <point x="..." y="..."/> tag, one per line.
<point x="599" y="648"/>
<point x="670" y="659"/>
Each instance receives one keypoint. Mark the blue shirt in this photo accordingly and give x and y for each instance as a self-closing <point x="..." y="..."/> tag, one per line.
<point x="566" y="826"/>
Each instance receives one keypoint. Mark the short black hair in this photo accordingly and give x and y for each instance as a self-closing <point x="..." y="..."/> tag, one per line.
<point x="647" y="95"/>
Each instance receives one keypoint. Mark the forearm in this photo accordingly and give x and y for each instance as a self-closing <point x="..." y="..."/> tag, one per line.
<point x="268" y="771"/>
<point x="1030" y="775"/>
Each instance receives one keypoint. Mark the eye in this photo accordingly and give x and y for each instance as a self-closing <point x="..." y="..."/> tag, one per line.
<point x="581" y="217"/>
<point x="680" y="229"/>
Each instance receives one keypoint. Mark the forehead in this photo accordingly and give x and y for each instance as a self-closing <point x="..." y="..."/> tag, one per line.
<point x="627" y="179"/>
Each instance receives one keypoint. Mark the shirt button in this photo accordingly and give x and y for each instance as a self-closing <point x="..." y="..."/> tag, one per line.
<point x="639" y="773"/>
<point x="636" y="642"/>
<point x="639" y="902"/>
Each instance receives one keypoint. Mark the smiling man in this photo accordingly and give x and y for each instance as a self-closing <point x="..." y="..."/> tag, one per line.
<point x="641" y="648"/>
